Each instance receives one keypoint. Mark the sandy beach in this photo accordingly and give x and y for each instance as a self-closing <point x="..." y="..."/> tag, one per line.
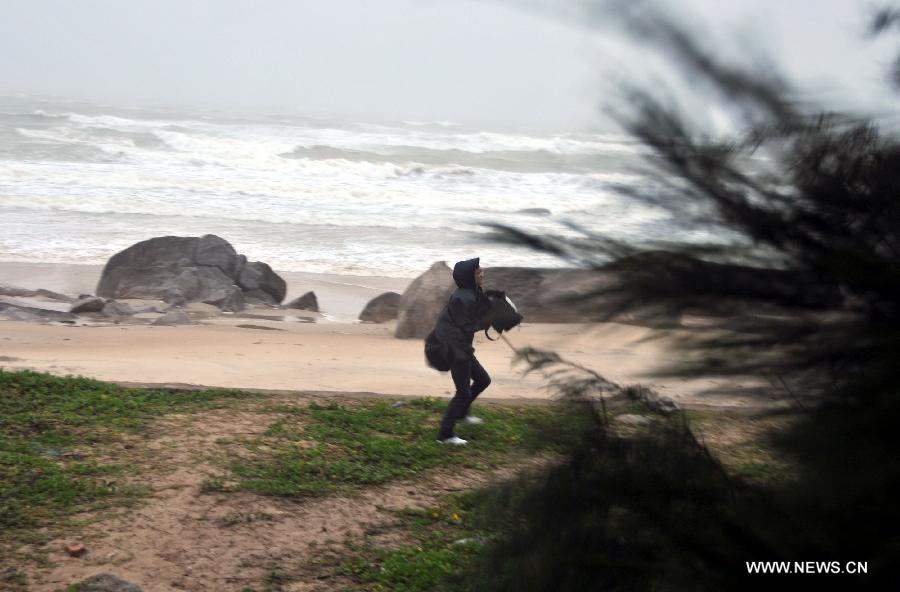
<point x="281" y="351"/>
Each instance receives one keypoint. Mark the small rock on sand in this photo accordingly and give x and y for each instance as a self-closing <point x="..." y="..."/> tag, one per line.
<point x="105" y="582"/>
<point x="75" y="549"/>
<point x="89" y="304"/>
<point x="306" y="302"/>
<point x="117" y="309"/>
<point x="174" y="317"/>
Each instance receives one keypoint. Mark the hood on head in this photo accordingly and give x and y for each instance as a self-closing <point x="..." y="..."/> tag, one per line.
<point x="464" y="272"/>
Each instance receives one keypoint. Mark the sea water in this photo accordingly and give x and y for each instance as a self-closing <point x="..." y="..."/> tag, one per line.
<point x="81" y="181"/>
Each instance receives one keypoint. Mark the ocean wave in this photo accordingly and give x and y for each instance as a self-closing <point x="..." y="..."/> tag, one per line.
<point x="40" y="114"/>
<point x="341" y="209"/>
<point x="102" y="143"/>
<point x="264" y="142"/>
<point x="373" y="217"/>
<point x="515" y="161"/>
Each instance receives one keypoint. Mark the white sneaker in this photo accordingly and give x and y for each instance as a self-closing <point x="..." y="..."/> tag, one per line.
<point x="471" y="420"/>
<point x="455" y="441"/>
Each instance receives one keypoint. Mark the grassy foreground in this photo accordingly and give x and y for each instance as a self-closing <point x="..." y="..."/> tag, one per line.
<point x="63" y="458"/>
<point x="51" y="430"/>
<point x="319" y="449"/>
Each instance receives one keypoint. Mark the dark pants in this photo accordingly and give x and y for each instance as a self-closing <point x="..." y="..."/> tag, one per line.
<point x="470" y="379"/>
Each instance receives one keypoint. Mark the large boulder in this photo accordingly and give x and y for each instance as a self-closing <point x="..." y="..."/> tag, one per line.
<point x="423" y="300"/>
<point x="181" y="269"/>
<point x="553" y="295"/>
<point x="599" y="295"/>
<point x="382" y="308"/>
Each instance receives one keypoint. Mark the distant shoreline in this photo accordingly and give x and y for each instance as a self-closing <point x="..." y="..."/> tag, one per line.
<point x="341" y="297"/>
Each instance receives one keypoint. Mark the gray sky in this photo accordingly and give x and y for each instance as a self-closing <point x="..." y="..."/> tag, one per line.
<point x="476" y="62"/>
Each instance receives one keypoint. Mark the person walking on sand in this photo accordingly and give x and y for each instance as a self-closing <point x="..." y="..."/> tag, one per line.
<point x="462" y="316"/>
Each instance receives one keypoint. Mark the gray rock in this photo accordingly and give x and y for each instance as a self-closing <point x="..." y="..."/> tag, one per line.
<point x="382" y="308"/>
<point x="213" y="251"/>
<point x="265" y="284"/>
<point x="14" y="291"/>
<point x="554" y="295"/>
<point x="144" y="308"/>
<point x="259" y="297"/>
<point x="26" y="293"/>
<point x="541" y="295"/>
<point x="117" y="309"/>
<point x="179" y="270"/>
<point x="229" y="299"/>
<point x="260" y="327"/>
<point x="398" y="404"/>
<point x="29" y="314"/>
<point x="597" y="295"/>
<point x="175" y="316"/>
<point x="53" y="295"/>
<point x="106" y="582"/>
<point x="423" y="300"/>
<point x="88" y="304"/>
<point x="633" y="420"/>
<point x="306" y="302"/>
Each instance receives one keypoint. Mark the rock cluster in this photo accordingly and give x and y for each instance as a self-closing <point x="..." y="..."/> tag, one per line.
<point x="190" y="269"/>
<point x="541" y="295"/>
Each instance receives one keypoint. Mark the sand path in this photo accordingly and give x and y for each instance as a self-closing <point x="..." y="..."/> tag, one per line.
<point x="332" y="357"/>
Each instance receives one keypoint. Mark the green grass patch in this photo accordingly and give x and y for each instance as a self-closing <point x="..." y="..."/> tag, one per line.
<point x="438" y="542"/>
<point x="319" y="449"/>
<point x="443" y="548"/>
<point x="51" y="427"/>
<point x="744" y="443"/>
<point x="13" y="580"/>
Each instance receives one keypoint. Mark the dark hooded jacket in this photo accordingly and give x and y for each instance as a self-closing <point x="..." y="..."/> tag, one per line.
<point x="462" y="317"/>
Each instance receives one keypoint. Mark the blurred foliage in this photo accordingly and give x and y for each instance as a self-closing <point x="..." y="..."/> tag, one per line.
<point x="800" y="287"/>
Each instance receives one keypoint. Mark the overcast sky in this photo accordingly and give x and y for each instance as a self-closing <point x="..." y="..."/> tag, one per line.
<point x="475" y="62"/>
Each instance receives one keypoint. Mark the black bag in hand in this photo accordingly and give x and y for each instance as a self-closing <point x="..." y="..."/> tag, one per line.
<point x="503" y="314"/>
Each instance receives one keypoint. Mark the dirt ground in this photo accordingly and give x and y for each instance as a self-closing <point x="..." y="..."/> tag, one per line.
<point x="181" y="538"/>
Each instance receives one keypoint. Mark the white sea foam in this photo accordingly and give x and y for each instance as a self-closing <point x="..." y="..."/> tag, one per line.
<point x="79" y="185"/>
